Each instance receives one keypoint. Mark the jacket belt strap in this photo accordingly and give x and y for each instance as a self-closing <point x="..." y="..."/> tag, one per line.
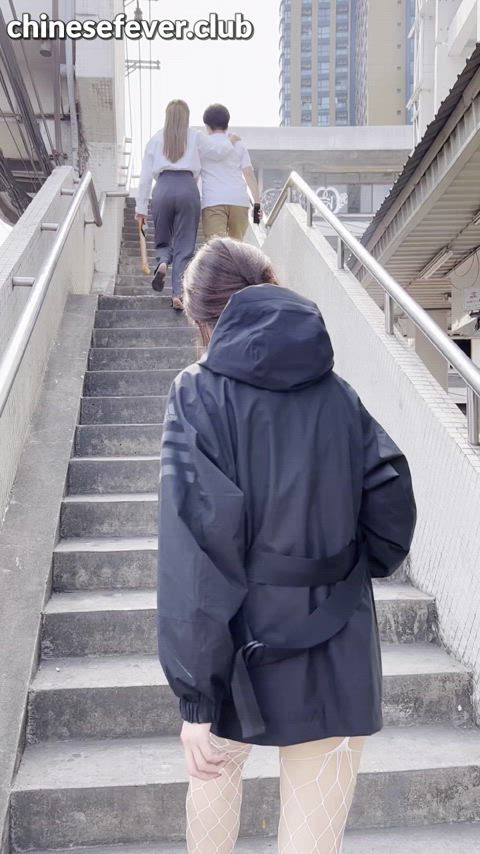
<point x="293" y="571"/>
<point x="322" y="624"/>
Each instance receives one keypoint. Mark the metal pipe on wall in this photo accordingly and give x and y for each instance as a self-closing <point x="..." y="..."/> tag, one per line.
<point x="72" y="101"/>
<point x="56" y="83"/>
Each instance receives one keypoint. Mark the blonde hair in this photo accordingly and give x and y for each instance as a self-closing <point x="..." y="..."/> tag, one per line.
<point x="221" y="268"/>
<point x="175" y="131"/>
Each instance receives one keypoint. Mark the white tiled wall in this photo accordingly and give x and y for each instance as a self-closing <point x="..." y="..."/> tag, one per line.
<point x="22" y="254"/>
<point x="399" y="391"/>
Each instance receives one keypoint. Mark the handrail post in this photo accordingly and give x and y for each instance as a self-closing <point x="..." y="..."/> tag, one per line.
<point x="309" y="214"/>
<point x="389" y="314"/>
<point x="473" y="417"/>
<point x="340" y="254"/>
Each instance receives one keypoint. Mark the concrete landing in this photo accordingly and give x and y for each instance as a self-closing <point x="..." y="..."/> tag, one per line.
<point x="441" y="839"/>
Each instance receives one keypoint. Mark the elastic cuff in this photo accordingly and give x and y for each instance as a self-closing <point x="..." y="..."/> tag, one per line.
<point x="202" y="711"/>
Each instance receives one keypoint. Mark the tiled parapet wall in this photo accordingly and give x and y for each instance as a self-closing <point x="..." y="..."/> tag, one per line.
<point x="400" y="392"/>
<point x="22" y="254"/>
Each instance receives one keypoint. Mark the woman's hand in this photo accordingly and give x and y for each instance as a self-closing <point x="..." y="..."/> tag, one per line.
<point x="203" y="761"/>
<point x="140" y="218"/>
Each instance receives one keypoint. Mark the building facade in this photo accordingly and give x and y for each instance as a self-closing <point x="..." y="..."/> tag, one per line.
<point x="383" y="60"/>
<point x="345" y="62"/>
<point x="315" y="62"/>
<point x="445" y="33"/>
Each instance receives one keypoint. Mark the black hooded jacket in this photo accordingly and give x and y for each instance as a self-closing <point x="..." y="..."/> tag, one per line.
<point x="280" y="499"/>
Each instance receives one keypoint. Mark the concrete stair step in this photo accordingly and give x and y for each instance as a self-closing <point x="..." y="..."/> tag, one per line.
<point x="130" y="258"/>
<point x="463" y="837"/>
<point x="148" y="302"/>
<point x="96" y="792"/>
<point x="130" y="261"/>
<point x="141" y="358"/>
<point x="123" y="622"/>
<point x="437" y="839"/>
<point x="124" y="440"/>
<point x="138" y="279"/>
<point x="129" y="696"/>
<point x="123" y="410"/>
<point x="105" y="563"/>
<point x="123" y="382"/>
<point x="138" y="290"/>
<point x="130" y="242"/>
<point x="129" y="515"/>
<point x="130" y="236"/>
<point x="164" y="336"/>
<point x="106" y="475"/>
<point x="134" y="319"/>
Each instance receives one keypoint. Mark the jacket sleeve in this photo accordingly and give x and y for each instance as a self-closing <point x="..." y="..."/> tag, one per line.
<point x="388" y="512"/>
<point x="202" y="581"/>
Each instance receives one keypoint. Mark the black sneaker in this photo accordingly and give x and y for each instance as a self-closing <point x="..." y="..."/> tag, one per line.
<point x="158" y="281"/>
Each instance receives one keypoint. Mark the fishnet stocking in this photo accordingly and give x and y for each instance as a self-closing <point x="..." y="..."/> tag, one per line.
<point x="317" y="782"/>
<point x="213" y="807"/>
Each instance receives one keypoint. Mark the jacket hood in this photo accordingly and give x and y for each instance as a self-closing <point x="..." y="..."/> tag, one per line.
<point x="270" y="337"/>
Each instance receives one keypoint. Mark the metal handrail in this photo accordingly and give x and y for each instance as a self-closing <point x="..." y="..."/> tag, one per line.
<point x="394" y="294"/>
<point x="17" y="346"/>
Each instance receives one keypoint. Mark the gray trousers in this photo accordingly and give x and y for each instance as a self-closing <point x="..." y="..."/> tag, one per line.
<point x="176" y="214"/>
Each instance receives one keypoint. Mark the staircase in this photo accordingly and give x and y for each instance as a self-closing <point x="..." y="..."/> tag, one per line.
<point x="103" y="768"/>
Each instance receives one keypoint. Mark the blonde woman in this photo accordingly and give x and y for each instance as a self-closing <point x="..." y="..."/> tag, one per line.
<point x="172" y="159"/>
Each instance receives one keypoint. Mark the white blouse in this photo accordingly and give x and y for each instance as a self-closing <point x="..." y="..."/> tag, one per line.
<point x="214" y="146"/>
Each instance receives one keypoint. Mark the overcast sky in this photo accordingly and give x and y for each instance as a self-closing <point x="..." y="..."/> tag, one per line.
<point x="241" y="74"/>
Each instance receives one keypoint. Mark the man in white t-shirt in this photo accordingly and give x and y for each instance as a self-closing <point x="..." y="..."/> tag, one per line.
<point x="225" y="201"/>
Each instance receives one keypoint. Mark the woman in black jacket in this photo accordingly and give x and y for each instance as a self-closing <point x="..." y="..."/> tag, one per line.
<point x="280" y="499"/>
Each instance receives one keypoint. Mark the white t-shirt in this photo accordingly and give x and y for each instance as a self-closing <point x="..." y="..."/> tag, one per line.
<point x="223" y="182"/>
<point x="154" y="162"/>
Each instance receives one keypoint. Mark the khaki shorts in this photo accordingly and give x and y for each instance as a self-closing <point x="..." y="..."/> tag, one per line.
<point x="225" y="221"/>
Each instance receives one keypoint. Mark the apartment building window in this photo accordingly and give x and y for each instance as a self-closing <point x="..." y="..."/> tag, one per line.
<point x="324" y="84"/>
<point x="324" y="52"/>
<point x="306" y="117"/>
<point x="324" y="119"/>
<point x="323" y="67"/>
<point x="324" y="32"/>
<point x="342" y="61"/>
<point x="306" y="81"/>
<point x="324" y="102"/>
<point x="306" y="64"/>
<point x="342" y="118"/>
